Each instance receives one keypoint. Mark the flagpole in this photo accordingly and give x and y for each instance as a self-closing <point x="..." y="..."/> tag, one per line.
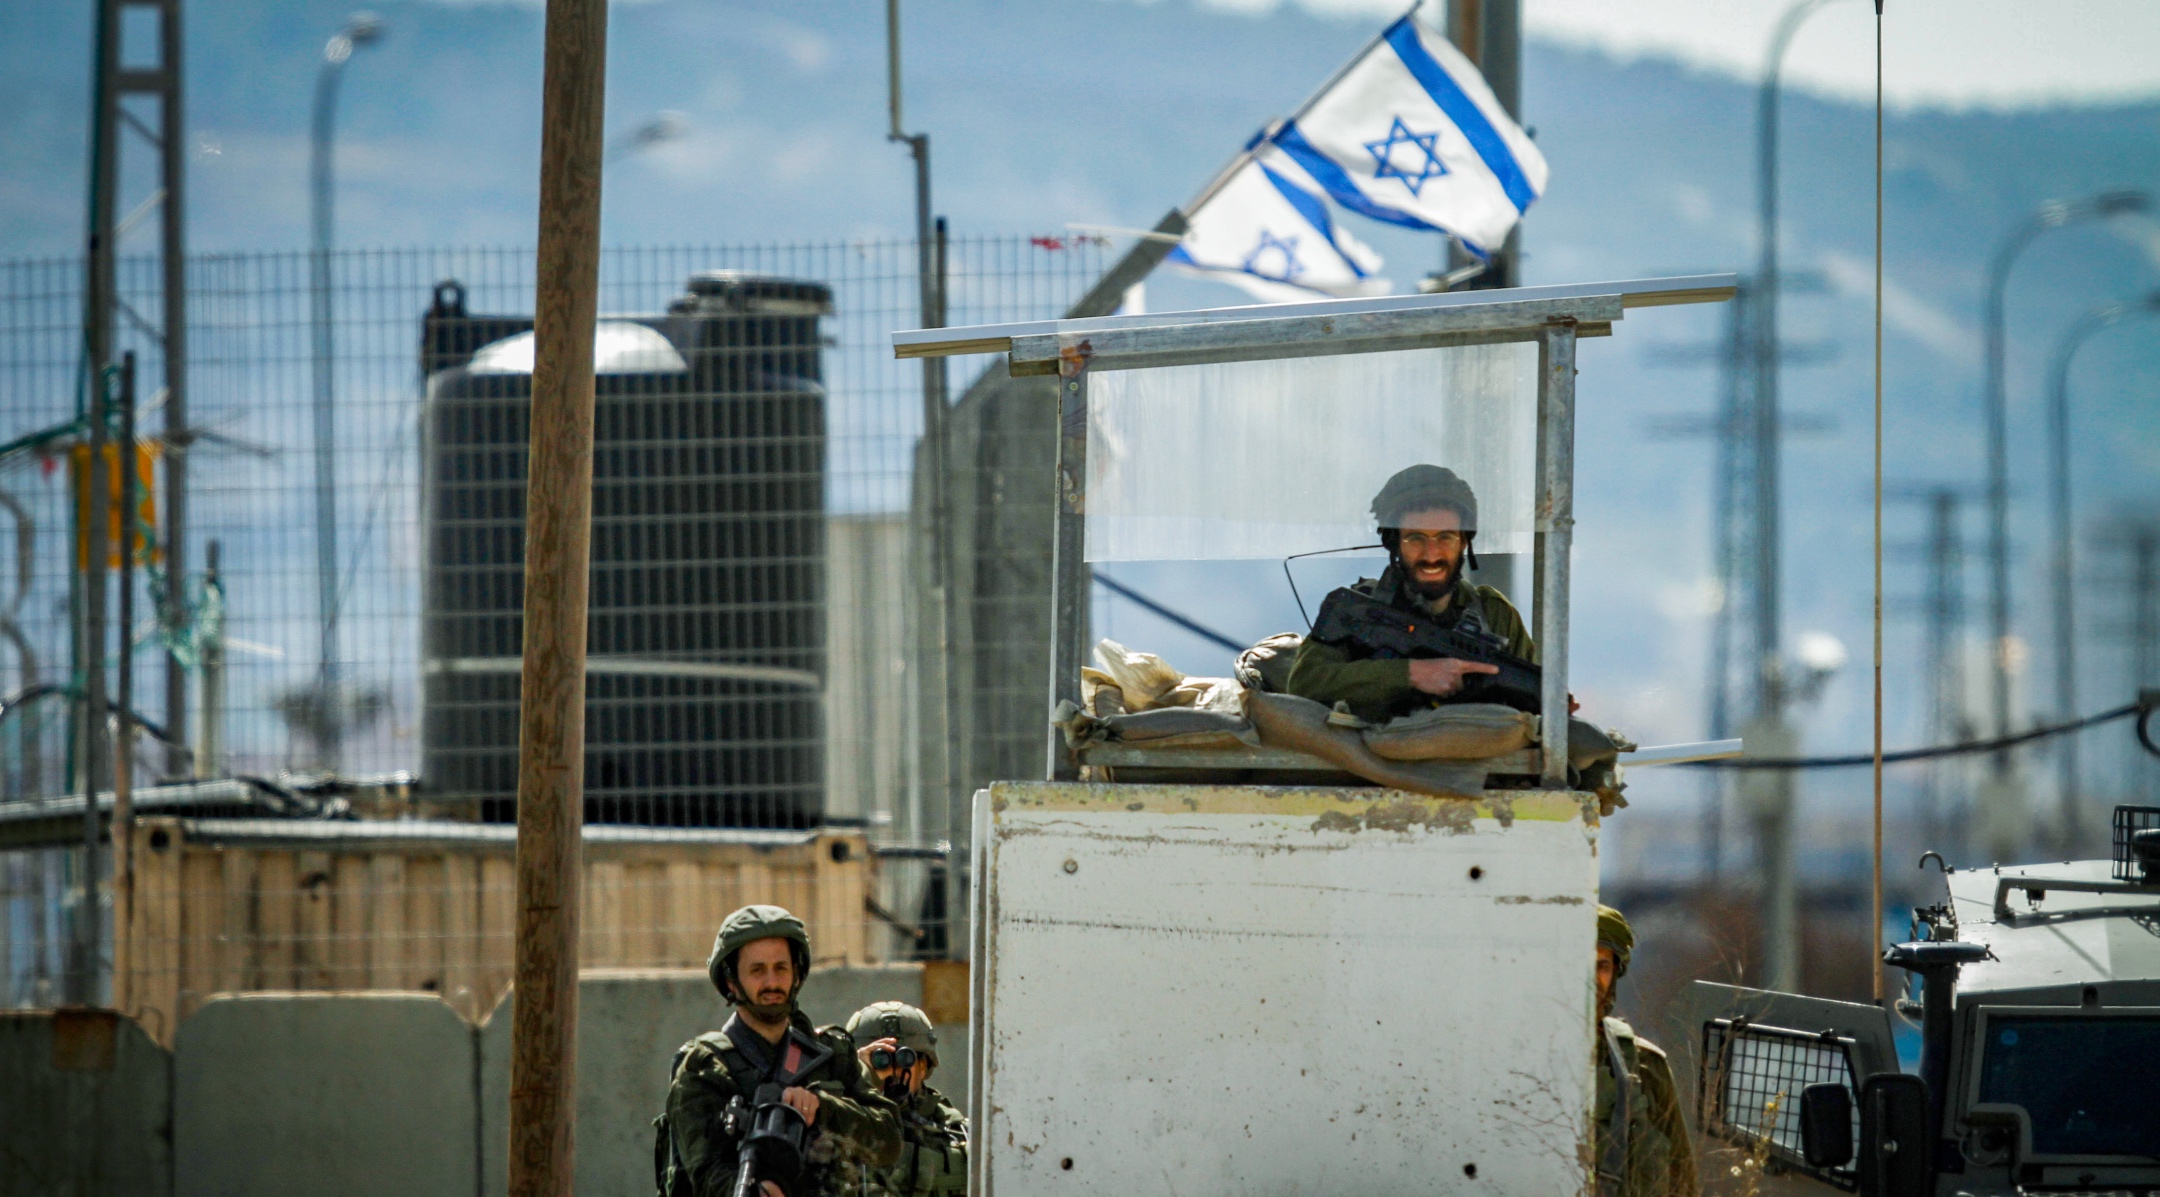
<point x="1238" y="163"/>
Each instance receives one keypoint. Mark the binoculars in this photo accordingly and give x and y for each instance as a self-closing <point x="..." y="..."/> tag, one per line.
<point x="885" y="1058"/>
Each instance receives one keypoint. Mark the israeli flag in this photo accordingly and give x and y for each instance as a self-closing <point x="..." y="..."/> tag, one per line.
<point x="1266" y="230"/>
<point x="1410" y="134"/>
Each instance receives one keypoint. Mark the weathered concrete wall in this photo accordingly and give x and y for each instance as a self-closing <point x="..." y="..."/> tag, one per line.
<point x="325" y="1094"/>
<point x="629" y="1026"/>
<point x="85" y="1107"/>
<point x="359" y="1093"/>
<point x="1347" y="990"/>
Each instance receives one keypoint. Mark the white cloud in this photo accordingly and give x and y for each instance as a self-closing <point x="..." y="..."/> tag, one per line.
<point x="1936" y="53"/>
<point x="1949" y="53"/>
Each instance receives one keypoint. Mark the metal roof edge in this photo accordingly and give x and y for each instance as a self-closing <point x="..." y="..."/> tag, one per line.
<point x="996" y="338"/>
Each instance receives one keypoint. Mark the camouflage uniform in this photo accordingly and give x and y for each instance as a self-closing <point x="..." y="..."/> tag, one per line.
<point x="1379" y="690"/>
<point x="1659" y="1157"/>
<point x="934" y="1159"/>
<point x="1643" y="1149"/>
<point x="856" y="1129"/>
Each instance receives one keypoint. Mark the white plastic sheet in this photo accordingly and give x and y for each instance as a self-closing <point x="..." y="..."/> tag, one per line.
<point x="1244" y="460"/>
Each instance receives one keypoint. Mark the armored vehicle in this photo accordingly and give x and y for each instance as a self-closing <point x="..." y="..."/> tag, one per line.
<point x="2039" y="1017"/>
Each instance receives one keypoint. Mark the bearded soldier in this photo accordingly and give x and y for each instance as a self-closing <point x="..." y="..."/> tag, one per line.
<point x="899" y="1048"/>
<point x="1427" y="518"/>
<point x="759" y="960"/>
<point x="1643" y="1148"/>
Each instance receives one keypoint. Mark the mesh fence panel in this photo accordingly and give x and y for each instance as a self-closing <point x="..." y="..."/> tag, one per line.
<point x="741" y="474"/>
<point x="752" y="584"/>
<point x="1756" y="1079"/>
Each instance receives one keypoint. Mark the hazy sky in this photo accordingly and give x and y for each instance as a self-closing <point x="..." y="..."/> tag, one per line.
<point x="1951" y="53"/>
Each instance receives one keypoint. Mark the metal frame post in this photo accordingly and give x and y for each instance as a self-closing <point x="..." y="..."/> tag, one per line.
<point x="122" y="826"/>
<point x="1555" y="537"/>
<point x="1069" y="579"/>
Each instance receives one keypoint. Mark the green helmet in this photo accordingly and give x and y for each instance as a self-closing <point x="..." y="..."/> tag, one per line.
<point x="747" y="926"/>
<point x="898" y="1021"/>
<point x="1613" y="932"/>
<point x="1424" y="488"/>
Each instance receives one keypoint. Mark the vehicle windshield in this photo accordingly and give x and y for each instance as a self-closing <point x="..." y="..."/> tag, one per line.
<point x="2089" y="1084"/>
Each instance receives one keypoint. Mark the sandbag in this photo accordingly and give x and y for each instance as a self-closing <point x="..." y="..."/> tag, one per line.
<point x="1182" y="727"/>
<point x="1458" y="732"/>
<point x="1266" y="665"/>
<point x="1287" y="721"/>
<point x="1144" y="679"/>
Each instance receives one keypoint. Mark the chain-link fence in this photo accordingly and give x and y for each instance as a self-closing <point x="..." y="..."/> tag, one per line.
<point x="341" y="619"/>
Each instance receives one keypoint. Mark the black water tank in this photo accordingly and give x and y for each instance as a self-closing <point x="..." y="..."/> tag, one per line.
<point x="706" y="654"/>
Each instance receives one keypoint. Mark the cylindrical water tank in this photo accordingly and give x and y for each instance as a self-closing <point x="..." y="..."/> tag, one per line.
<point x="706" y="653"/>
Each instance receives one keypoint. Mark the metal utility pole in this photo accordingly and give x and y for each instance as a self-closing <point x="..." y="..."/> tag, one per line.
<point x="363" y="29"/>
<point x="1489" y="33"/>
<point x="2136" y="537"/>
<point x="1945" y="644"/>
<point x="89" y="593"/>
<point x="2063" y="564"/>
<point x="939" y="748"/>
<point x="558" y="556"/>
<point x="2145" y="626"/>
<point x="1770" y="791"/>
<point x="2052" y="215"/>
<point x="123" y="811"/>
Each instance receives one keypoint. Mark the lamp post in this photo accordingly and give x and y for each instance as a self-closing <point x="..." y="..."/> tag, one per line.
<point x="2058" y="418"/>
<point x="1770" y="792"/>
<point x="2052" y="215"/>
<point x="361" y="29"/>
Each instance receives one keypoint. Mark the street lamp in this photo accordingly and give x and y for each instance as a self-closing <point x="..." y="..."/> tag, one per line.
<point x="2051" y="215"/>
<point x="1770" y="794"/>
<point x="2058" y="413"/>
<point x="361" y="29"/>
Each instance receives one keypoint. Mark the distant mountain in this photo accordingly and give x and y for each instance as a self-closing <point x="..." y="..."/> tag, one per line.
<point x="1110" y="113"/>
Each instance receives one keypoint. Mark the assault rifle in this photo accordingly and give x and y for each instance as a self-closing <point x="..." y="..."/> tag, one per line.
<point x="1390" y="633"/>
<point x="771" y="1139"/>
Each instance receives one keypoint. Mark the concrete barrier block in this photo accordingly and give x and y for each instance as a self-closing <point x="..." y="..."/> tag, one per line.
<point x="325" y="1094"/>
<point x="85" y="1106"/>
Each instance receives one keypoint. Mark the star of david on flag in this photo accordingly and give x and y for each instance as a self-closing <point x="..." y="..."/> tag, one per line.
<point x="1426" y="159"/>
<point x="1267" y="231"/>
<point x="1410" y="134"/>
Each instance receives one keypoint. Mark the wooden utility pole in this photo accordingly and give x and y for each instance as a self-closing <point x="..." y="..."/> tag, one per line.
<point x="558" y="552"/>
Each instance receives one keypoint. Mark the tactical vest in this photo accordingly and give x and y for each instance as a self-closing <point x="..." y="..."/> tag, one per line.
<point x="670" y="1178"/>
<point x="925" y="1169"/>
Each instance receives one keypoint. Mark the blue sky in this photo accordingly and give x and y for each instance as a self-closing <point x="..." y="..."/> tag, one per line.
<point x="1109" y="112"/>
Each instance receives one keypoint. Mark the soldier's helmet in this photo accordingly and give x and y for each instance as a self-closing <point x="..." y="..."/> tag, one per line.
<point x="1613" y="932"/>
<point x="1424" y="488"/>
<point x="897" y="1021"/>
<point x="747" y="926"/>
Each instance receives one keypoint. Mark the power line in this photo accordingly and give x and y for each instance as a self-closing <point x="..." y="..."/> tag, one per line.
<point x="2143" y="708"/>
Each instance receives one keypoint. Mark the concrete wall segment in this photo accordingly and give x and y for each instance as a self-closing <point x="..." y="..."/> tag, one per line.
<point x="325" y="1094"/>
<point x="85" y="1106"/>
<point x="1284" y="990"/>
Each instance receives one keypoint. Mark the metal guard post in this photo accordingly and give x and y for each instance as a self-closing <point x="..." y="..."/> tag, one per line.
<point x="1555" y="528"/>
<point x="1069" y="579"/>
